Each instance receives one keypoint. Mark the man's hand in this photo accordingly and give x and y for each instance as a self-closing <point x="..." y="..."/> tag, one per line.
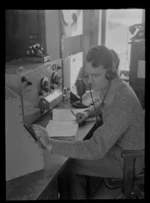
<point x="81" y="117"/>
<point x="42" y="136"/>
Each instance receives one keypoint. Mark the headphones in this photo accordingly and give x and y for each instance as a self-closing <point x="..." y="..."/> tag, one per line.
<point x="112" y="73"/>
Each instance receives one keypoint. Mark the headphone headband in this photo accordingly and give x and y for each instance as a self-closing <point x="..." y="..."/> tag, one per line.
<point x="111" y="73"/>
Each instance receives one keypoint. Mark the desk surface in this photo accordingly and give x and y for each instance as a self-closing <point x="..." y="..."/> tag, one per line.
<point x="31" y="186"/>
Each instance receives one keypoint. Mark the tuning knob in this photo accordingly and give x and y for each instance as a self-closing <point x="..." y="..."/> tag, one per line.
<point x="44" y="83"/>
<point x="55" y="78"/>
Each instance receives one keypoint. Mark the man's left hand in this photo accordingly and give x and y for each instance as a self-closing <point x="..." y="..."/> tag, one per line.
<point x="42" y="136"/>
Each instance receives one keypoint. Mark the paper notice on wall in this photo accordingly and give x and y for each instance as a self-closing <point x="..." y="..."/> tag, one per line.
<point x="141" y="69"/>
<point x="72" y="22"/>
<point x="76" y="63"/>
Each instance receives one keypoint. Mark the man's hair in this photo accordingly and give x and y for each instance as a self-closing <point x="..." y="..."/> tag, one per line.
<point x="116" y="60"/>
<point x="100" y="55"/>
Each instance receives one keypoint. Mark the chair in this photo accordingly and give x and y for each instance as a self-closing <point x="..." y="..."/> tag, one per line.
<point x="132" y="185"/>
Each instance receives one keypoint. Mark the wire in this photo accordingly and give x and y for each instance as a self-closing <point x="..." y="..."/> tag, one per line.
<point x="109" y="82"/>
<point x="96" y="114"/>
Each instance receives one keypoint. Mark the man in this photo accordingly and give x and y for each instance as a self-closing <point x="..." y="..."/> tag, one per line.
<point x="122" y="128"/>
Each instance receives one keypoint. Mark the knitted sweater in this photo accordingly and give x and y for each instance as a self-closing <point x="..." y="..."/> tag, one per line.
<point x="123" y="125"/>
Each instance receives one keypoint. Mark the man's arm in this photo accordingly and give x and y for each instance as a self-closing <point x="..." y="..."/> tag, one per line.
<point x="115" y="124"/>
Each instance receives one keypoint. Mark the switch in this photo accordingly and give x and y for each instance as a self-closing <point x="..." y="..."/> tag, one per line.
<point x="58" y="67"/>
<point x="43" y="104"/>
<point x="24" y="79"/>
<point x="29" y="83"/>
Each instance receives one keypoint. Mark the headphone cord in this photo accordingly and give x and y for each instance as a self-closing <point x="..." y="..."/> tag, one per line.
<point x="96" y="114"/>
<point x="109" y="82"/>
<point x="102" y="103"/>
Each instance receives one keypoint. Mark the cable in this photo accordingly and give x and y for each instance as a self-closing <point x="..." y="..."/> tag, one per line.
<point x="109" y="82"/>
<point x="96" y="114"/>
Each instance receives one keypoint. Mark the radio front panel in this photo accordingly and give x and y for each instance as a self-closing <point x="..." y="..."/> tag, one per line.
<point x="39" y="86"/>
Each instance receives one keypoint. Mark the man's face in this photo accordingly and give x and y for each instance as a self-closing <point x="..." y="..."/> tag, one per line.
<point x="97" y="77"/>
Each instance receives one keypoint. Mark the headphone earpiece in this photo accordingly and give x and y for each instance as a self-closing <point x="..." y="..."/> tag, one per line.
<point x="111" y="73"/>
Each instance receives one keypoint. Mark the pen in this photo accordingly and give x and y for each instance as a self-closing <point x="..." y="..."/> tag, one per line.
<point x="73" y="113"/>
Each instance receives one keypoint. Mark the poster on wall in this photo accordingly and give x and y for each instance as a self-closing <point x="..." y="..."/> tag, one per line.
<point x="72" y="22"/>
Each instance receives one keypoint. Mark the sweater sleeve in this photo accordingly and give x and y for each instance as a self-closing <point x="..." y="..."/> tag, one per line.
<point x="115" y="124"/>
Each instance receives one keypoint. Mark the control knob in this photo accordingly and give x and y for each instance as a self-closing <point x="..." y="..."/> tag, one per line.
<point x="44" y="83"/>
<point x="55" y="78"/>
<point x="25" y="80"/>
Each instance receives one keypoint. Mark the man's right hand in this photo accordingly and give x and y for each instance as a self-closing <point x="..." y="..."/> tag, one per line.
<point x="81" y="117"/>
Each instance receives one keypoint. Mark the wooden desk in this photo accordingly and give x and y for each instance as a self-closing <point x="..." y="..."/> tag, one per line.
<point x="43" y="184"/>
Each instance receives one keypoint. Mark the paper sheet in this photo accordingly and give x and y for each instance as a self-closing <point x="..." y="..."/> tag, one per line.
<point x="62" y="128"/>
<point x="63" y="115"/>
<point x="78" y="110"/>
<point x="67" y="115"/>
<point x="82" y="110"/>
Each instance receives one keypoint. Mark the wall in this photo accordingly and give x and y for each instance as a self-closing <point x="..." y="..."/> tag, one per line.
<point x="20" y="24"/>
<point x="90" y="31"/>
<point x="52" y="33"/>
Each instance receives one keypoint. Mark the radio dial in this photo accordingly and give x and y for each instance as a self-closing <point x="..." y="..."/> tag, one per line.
<point x="54" y="67"/>
<point x="55" y="78"/>
<point x="44" y="83"/>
